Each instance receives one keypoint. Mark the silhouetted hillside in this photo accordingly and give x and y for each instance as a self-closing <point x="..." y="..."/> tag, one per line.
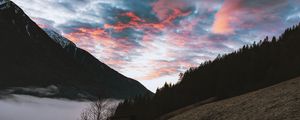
<point x="250" y="68"/>
<point x="278" y="102"/>
<point x="34" y="63"/>
<point x="115" y="83"/>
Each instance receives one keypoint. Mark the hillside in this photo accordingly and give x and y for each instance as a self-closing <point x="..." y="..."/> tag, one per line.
<point x="278" y="102"/>
<point x="252" y="67"/>
<point x="33" y="63"/>
<point x="115" y="83"/>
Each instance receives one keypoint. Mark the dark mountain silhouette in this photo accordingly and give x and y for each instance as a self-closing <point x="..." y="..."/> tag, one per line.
<point x="250" y="68"/>
<point x="34" y="63"/>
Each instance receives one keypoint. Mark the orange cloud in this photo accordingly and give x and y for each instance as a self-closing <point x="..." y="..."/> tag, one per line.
<point x="111" y="50"/>
<point x="87" y="34"/>
<point x="98" y="35"/>
<point x="162" y="8"/>
<point x="137" y="23"/>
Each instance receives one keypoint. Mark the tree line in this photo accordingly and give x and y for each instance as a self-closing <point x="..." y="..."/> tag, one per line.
<point x="252" y="67"/>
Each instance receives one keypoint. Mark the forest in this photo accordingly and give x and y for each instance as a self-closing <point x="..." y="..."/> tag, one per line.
<point x="252" y="67"/>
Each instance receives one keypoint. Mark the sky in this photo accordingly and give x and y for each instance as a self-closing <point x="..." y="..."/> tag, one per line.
<point x="153" y="41"/>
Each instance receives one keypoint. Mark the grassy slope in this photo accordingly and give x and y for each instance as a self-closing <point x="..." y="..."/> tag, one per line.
<point x="278" y="102"/>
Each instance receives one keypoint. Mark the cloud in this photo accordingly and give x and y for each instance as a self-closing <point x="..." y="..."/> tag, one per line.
<point x="23" y="107"/>
<point x="243" y="14"/>
<point x="50" y="90"/>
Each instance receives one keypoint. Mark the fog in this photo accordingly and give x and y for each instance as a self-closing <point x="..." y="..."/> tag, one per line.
<point x="22" y="107"/>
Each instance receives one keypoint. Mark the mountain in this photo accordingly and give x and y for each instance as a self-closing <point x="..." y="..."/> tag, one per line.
<point x="250" y="68"/>
<point x="35" y="63"/>
<point x="97" y="68"/>
<point x="64" y="42"/>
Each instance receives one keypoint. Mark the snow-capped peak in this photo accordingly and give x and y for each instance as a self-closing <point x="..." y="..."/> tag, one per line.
<point x="58" y="38"/>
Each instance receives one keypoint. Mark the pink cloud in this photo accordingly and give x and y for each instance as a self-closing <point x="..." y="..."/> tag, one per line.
<point x="101" y="44"/>
<point x="41" y="23"/>
<point x="225" y="17"/>
<point x="159" y="73"/>
<point x="138" y="23"/>
<point x="166" y="68"/>
<point x="244" y="14"/>
<point x="163" y="8"/>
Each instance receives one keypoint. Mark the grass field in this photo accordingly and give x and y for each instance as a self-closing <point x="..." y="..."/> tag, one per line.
<point x="278" y="102"/>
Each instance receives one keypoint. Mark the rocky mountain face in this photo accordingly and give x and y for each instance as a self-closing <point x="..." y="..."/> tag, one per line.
<point x="32" y="61"/>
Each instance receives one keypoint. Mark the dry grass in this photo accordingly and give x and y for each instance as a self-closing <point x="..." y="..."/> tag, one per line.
<point x="278" y="102"/>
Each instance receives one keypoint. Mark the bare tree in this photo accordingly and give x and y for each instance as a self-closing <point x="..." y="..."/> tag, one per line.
<point x="99" y="110"/>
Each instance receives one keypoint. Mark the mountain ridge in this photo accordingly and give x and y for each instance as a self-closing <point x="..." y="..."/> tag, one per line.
<point x="33" y="59"/>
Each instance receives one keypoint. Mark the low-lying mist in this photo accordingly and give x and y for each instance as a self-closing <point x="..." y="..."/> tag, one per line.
<point x="23" y="107"/>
